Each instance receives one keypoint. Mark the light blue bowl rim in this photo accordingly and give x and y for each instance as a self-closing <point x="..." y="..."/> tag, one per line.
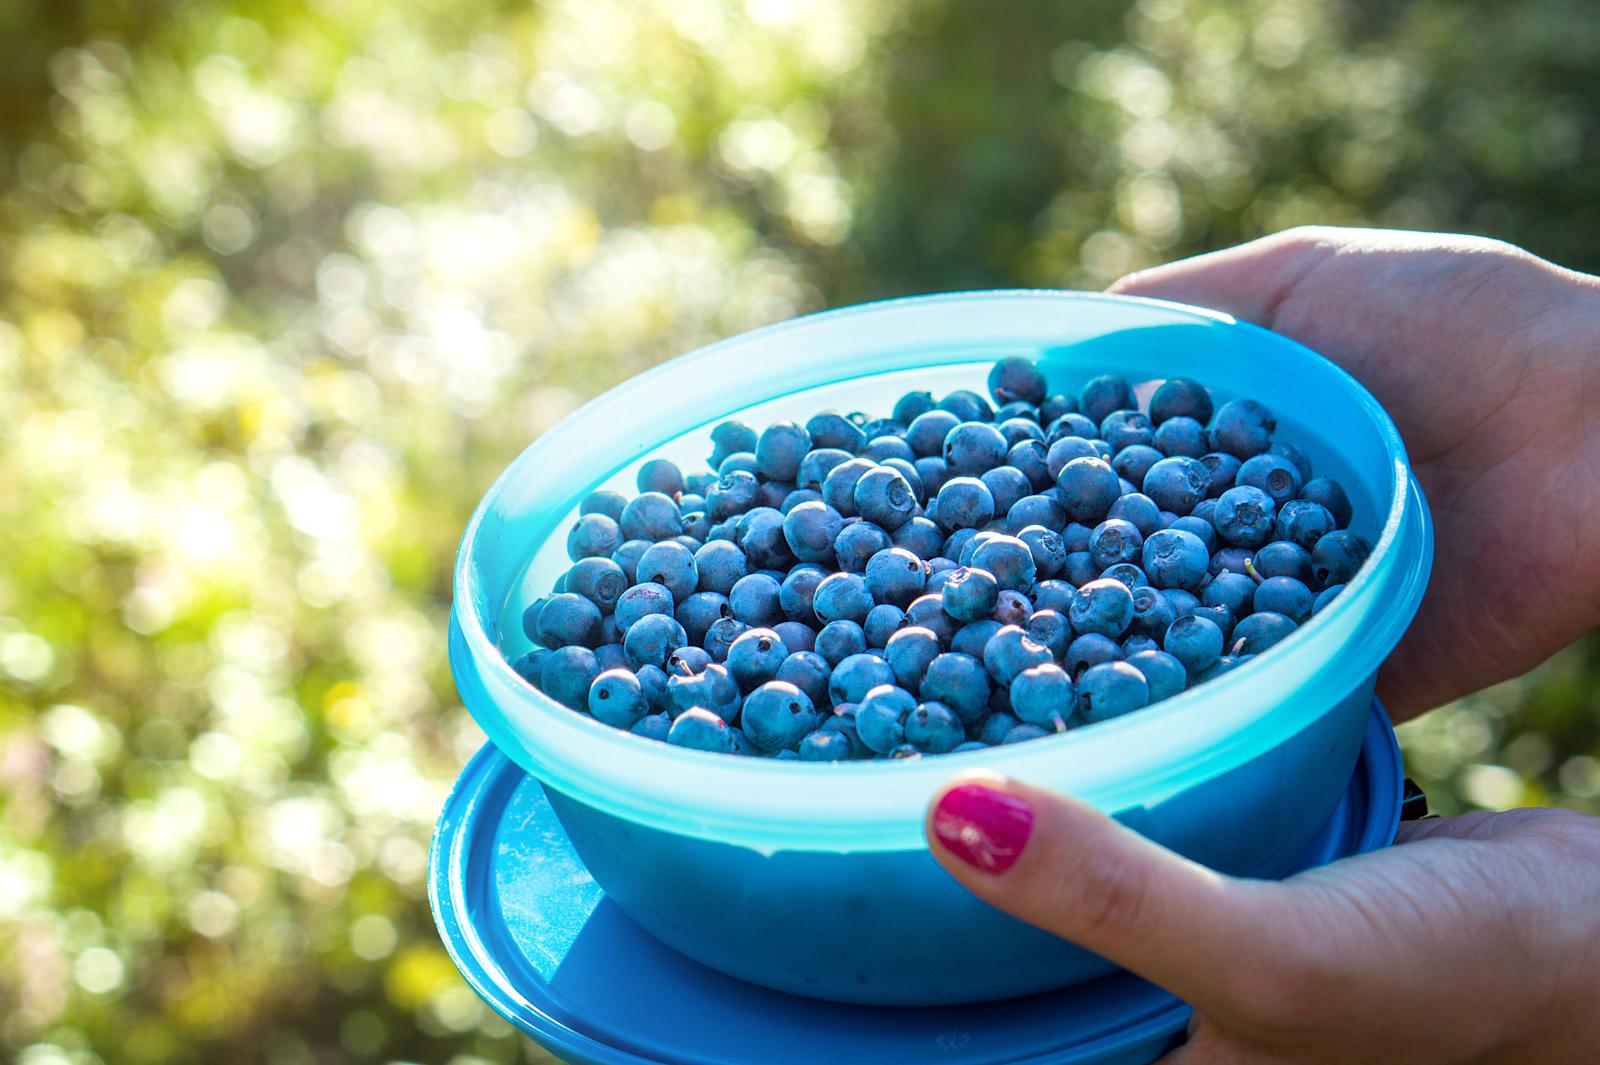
<point x="1137" y="760"/>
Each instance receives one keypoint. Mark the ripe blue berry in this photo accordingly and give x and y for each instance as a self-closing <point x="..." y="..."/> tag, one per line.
<point x="810" y="530"/>
<point x="1244" y="517"/>
<point x="1043" y="696"/>
<point x="1180" y="398"/>
<point x="1335" y="560"/>
<point x="1104" y="394"/>
<point x="1286" y="596"/>
<point x="599" y="580"/>
<point x="1010" y="652"/>
<point x="670" y="565"/>
<point x="566" y="619"/>
<point x="1164" y="675"/>
<point x="1102" y="606"/>
<point x="1180" y="435"/>
<point x="720" y="636"/>
<point x="839" y="640"/>
<point x="884" y="497"/>
<point x="1090" y="649"/>
<point x="964" y="503"/>
<point x="1177" y="484"/>
<point x="967" y="405"/>
<point x="1325" y="597"/>
<point x="1110" y="690"/>
<point x="1330" y="493"/>
<point x="1261" y="630"/>
<point x="960" y="682"/>
<point x="1273" y="474"/>
<point x="1284" y="559"/>
<point x="566" y="673"/>
<point x="659" y="475"/>
<point x="1152" y="613"/>
<point x="1194" y="641"/>
<point x="755" y="656"/>
<point x="909" y="406"/>
<point x="777" y="716"/>
<point x="881" y="717"/>
<point x="1115" y="540"/>
<point x="779" y="450"/>
<point x="1016" y="379"/>
<point x="652" y="639"/>
<point x="1241" y="427"/>
<point x="934" y="728"/>
<point x="603" y="501"/>
<point x="823" y="746"/>
<point x="856" y="675"/>
<point x="895" y="576"/>
<point x="839" y="486"/>
<point x="617" y="699"/>
<point x="701" y="730"/>
<point x="1224" y="470"/>
<point x="842" y="596"/>
<point x="970" y="593"/>
<point x="882" y="622"/>
<point x="926" y="433"/>
<point x="1127" y="428"/>
<point x="857" y="542"/>
<point x="830" y="429"/>
<point x="1088" y="487"/>
<point x="1174" y="558"/>
<point x="593" y="535"/>
<point x="1303" y="523"/>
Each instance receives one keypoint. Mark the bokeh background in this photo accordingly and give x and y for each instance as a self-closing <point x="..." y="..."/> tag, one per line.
<point x="284" y="283"/>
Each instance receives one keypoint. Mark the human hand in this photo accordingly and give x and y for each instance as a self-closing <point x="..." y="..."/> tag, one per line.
<point x="1474" y="941"/>
<point x="1488" y="359"/>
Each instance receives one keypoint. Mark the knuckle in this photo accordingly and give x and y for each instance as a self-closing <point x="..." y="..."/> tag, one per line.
<point x="1114" y="898"/>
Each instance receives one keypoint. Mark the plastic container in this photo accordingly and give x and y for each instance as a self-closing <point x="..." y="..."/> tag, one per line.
<point x="815" y="879"/>
<point x="537" y="938"/>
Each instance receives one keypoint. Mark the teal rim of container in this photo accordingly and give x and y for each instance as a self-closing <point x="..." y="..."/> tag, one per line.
<point x="545" y="956"/>
<point x="1139" y="760"/>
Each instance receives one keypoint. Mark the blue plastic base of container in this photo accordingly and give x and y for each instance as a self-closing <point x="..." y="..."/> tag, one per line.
<point x="536" y="937"/>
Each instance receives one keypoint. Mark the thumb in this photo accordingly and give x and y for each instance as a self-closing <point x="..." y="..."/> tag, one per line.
<point x="1067" y="868"/>
<point x="1249" y="281"/>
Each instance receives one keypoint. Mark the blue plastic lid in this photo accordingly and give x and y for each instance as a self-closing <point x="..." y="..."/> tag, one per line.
<point x="537" y="938"/>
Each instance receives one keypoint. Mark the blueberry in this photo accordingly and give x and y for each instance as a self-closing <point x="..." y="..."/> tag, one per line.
<point x="839" y="486"/>
<point x="883" y="449"/>
<point x="1181" y="436"/>
<point x="721" y="635"/>
<point x="895" y="576"/>
<point x="1177" y="484"/>
<point x="1261" y="630"/>
<point x="687" y="661"/>
<point x="1127" y="428"/>
<point x="1195" y="641"/>
<point x="882" y="622"/>
<point x="1051" y="630"/>
<point x="970" y="548"/>
<point x="907" y="470"/>
<point x="603" y="501"/>
<point x="1336" y="559"/>
<point x="911" y="406"/>
<point x="1071" y="424"/>
<point x="701" y="730"/>
<point x="567" y="618"/>
<point x="659" y="475"/>
<point x="1286" y="596"/>
<point x="992" y="729"/>
<point x="1088" y="488"/>
<point x="908" y="652"/>
<point x="1174" y="558"/>
<point x="1244" y="517"/>
<point x="928" y="612"/>
<point x="1030" y="458"/>
<point x="761" y="536"/>
<point x="817" y="464"/>
<point x="974" y="636"/>
<point x="830" y="429"/>
<point x="670" y="565"/>
<point x="696" y="529"/>
<point x="528" y="666"/>
<point x="963" y="503"/>
<point x="598" y="580"/>
<point x="882" y="716"/>
<point x="738" y="462"/>
<point x="1284" y="559"/>
<point x="779" y="450"/>
<point x="1231" y="560"/>
<point x="926" y="433"/>
<point x="973" y="447"/>
<point x="593" y="535"/>
<point x="1182" y="602"/>
<point x="566" y="673"/>
<point x="1008" y="560"/>
<point x="933" y="473"/>
<point x="1296" y="457"/>
<point x="627" y="558"/>
<point x="1180" y="397"/>
<point x="1235" y="591"/>
<point x="970" y="593"/>
<point x="1055" y="406"/>
<point x="777" y="716"/>
<point x="960" y="682"/>
<point x="1045" y="548"/>
<point x="653" y="727"/>
<point x="1272" y="474"/>
<point x="1330" y="493"/>
<point x="823" y="746"/>
<point x="796" y="636"/>
<point x="1079" y="568"/>
<point x="877" y="428"/>
<point x="1023" y="733"/>
<point x="966" y="405"/>
<point x="798" y="590"/>
<point x="1241" y="427"/>
<point x="920" y="536"/>
<point x="653" y="682"/>
<point x="729" y="437"/>
<point x="1132" y="645"/>
<point x="1164" y="675"/>
<point x="1152" y="613"/>
<point x="1325" y="597"/>
<point x="1088" y="650"/>
<point x="1203" y="510"/>
<point x="884" y="497"/>
<point x="857" y="675"/>
<point x="810" y="530"/>
<point x="652" y="639"/>
<point x="1075" y="535"/>
<point x="754" y="599"/>
<point x="1114" y="541"/>
<point x="1043" y="696"/>
<point x="1197" y="527"/>
<point x="843" y="722"/>
<point x="733" y="493"/>
<point x="712" y="689"/>
<point x="1064" y="450"/>
<point x="1009" y="652"/>
<point x="1303" y="523"/>
<point x="839" y="640"/>
<point x="1102" y="606"/>
<point x="933" y="728"/>
<point x="1220" y="616"/>
<point x="617" y="699"/>
<point x="1007" y="487"/>
<point x="1110" y="690"/>
<point x="1016" y="379"/>
<point x="1018" y="430"/>
<point x="1104" y="394"/>
<point x="857" y="542"/>
<point x="719" y="565"/>
<point x="842" y="596"/>
<point x="1134" y="462"/>
<point x="754" y="657"/>
<point x="650" y="516"/>
<point x="1224" y="471"/>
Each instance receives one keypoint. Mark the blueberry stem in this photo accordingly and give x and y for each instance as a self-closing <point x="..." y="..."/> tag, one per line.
<point x="1250" y="568"/>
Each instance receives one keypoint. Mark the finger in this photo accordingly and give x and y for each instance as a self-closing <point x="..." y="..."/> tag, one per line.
<point x="1067" y="868"/>
<point x="1249" y="281"/>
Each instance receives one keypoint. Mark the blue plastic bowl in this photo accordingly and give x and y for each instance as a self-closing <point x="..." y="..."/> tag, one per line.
<point x="815" y="879"/>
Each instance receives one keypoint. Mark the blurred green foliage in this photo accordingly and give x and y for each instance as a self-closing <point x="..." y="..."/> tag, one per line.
<point x="284" y="283"/>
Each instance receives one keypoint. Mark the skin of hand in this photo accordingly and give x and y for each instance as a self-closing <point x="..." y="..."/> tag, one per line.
<point x="1474" y="941"/>
<point x="1488" y="359"/>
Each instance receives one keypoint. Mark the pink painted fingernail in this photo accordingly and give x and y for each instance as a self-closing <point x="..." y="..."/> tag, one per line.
<point x="983" y="827"/>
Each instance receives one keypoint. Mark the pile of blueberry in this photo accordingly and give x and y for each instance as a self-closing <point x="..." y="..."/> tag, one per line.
<point x="953" y="576"/>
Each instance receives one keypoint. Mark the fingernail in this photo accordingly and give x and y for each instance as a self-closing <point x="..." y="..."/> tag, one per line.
<point x="983" y="827"/>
